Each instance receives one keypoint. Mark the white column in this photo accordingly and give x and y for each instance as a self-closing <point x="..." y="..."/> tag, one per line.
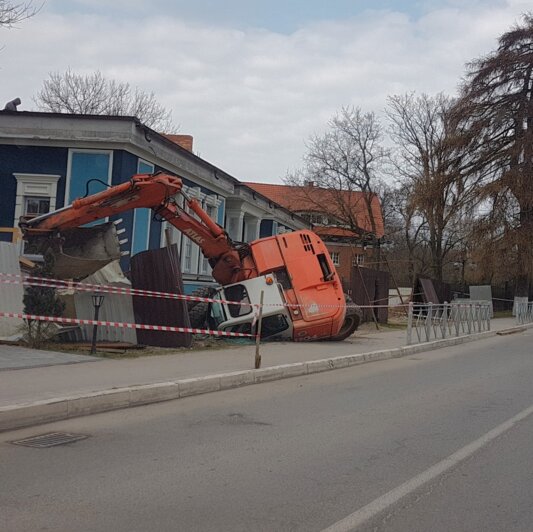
<point x="235" y="221"/>
<point x="252" y="228"/>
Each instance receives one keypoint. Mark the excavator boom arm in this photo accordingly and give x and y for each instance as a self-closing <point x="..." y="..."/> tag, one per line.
<point x="154" y="191"/>
<point x="142" y="190"/>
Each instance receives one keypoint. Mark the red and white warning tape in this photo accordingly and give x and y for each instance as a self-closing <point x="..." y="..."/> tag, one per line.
<point x="166" y="328"/>
<point x="45" y="282"/>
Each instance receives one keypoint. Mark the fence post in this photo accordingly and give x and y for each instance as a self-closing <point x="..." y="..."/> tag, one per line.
<point x="410" y="324"/>
<point x="455" y="311"/>
<point x="445" y="318"/>
<point x="258" y="335"/>
<point x="429" y="319"/>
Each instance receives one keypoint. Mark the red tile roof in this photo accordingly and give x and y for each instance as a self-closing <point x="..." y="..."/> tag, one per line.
<point x="338" y="204"/>
<point x="334" y="231"/>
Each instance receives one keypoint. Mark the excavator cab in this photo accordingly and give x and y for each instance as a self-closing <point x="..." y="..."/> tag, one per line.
<point x="243" y="317"/>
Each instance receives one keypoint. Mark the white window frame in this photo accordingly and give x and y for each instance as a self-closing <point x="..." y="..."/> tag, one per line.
<point x="33" y="186"/>
<point x="318" y="218"/>
<point x="197" y="257"/>
<point x="205" y="268"/>
<point x="187" y="243"/>
<point x="33" y="198"/>
<point x="358" y="260"/>
<point x="188" y="253"/>
<point x="335" y="258"/>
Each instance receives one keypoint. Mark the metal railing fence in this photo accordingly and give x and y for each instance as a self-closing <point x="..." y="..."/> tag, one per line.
<point x="524" y="312"/>
<point x="429" y="321"/>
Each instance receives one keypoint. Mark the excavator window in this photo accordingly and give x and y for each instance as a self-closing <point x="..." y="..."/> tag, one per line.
<point x="217" y="312"/>
<point x="273" y="325"/>
<point x="282" y="277"/>
<point x="245" y="328"/>
<point x="324" y="266"/>
<point x="238" y="292"/>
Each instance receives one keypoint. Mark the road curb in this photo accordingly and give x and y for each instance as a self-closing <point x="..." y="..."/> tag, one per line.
<point x="61" y="408"/>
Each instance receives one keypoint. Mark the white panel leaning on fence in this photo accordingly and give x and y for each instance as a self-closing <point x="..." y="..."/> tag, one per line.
<point x="524" y="312"/>
<point x="429" y="321"/>
<point x="10" y="294"/>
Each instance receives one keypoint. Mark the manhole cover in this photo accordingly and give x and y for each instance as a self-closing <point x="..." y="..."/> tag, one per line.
<point x="50" y="440"/>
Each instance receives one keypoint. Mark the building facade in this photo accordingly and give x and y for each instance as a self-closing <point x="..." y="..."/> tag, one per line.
<point x="47" y="160"/>
<point x="350" y="224"/>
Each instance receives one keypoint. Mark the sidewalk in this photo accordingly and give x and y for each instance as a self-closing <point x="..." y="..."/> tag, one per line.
<point x="42" y="383"/>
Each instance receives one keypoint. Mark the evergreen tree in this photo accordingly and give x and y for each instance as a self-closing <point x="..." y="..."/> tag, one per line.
<point x="41" y="301"/>
<point x="496" y="115"/>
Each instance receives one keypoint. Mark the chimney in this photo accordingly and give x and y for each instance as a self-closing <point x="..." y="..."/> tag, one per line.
<point x="12" y="105"/>
<point x="309" y="183"/>
<point x="185" y="141"/>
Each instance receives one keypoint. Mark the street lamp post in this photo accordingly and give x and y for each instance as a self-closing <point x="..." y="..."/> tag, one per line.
<point x="98" y="299"/>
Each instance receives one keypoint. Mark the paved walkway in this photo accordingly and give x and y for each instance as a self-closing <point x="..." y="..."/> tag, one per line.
<point x="34" y="384"/>
<point x="15" y="357"/>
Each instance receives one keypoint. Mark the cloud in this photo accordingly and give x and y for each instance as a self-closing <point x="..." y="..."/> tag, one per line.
<point x="251" y="97"/>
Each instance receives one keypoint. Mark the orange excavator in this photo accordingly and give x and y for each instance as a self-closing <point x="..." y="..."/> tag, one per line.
<point x="293" y="273"/>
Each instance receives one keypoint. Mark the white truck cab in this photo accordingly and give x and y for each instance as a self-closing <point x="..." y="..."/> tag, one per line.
<point x="276" y="319"/>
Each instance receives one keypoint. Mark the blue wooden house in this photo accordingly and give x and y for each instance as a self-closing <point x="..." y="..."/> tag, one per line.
<point x="47" y="160"/>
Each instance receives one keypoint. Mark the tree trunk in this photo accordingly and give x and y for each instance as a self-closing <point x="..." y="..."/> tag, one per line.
<point x="525" y="252"/>
<point x="522" y="286"/>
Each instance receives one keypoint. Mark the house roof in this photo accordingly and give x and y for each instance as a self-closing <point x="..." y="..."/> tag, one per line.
<point x="333" y="231"/>
<point x="342" y="205"/>
<point x="37" y="123"/>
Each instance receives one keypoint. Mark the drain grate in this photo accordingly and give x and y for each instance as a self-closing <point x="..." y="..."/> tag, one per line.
<point x="50" y="440"/>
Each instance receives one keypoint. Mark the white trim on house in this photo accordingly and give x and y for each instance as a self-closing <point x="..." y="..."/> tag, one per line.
<point x="34" y="185"/>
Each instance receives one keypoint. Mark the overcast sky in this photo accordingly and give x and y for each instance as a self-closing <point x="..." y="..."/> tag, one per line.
<point x="252" y="80"/>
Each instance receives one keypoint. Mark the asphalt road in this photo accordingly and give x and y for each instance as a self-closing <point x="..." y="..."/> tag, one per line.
<point x="438" y="441"/>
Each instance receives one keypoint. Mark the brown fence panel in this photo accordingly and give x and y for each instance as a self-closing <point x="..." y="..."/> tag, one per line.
<point x="431" y="291"/>
<point x="371" y="287"/>
<point x="159" y="269"/>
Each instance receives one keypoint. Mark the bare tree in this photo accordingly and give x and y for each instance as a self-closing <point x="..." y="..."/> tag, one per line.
<point x="495" y="112"/>
<point x="405" y="228"/>
<point x="13" y="12"/>
<point x="346" y="158"/>
<point x="491" y="247"/>
<point x="69" y="92"/>
<point x="442" y="184"/>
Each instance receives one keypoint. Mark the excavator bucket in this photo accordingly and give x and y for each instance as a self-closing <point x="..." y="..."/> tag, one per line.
<point x="78" y="253"/>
